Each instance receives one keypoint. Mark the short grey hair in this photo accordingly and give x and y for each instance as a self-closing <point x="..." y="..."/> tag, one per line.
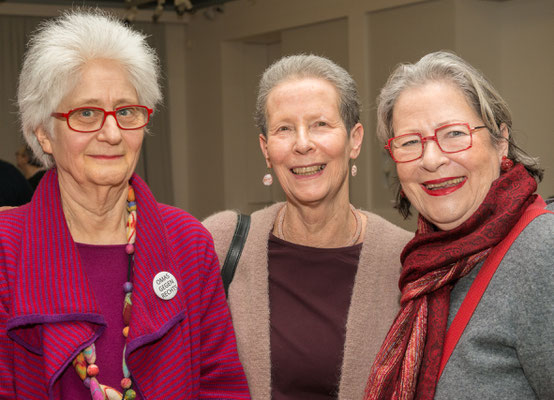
<point x="481" y="95"/>
<point x="56" y="54"/>
<point x="309" y="66"/>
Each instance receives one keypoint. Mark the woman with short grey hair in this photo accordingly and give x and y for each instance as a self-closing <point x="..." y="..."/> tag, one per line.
<point x="104" y="292"/>
<point x="315" y="287"/>
<point x="479" y="92"/>
<point x="476" y="311"/>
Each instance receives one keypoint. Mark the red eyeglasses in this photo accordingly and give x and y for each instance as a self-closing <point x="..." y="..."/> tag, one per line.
<point x="451" y="138"/>
<point x="91" y="119"/>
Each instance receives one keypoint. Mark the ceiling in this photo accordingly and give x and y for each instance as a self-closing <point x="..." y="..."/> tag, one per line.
<point x="141" y="4"/>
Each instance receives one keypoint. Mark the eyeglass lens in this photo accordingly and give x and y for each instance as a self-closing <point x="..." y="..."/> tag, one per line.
<point x="451" y="139"/>
<point x="91" y="119"/>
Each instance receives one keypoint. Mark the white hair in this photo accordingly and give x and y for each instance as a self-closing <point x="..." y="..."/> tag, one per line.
<point x="56" y="54"/>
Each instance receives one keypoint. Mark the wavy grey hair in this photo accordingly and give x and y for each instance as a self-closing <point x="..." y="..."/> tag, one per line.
<point x="309" y="66"/>
<point x="479" y="92"/>
<point x="56" y="54"/>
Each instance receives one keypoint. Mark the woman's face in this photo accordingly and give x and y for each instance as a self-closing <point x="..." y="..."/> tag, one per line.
<point x="445" y="188"/>
<point x="307" y="144"/>
<point x="104" y="158"/>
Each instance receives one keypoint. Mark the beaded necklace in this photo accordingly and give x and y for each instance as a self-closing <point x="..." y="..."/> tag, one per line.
<point x="85" y="362"/>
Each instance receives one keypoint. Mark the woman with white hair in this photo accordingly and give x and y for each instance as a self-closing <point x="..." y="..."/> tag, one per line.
<point x="316" y="285"/>
<point x="94" y="241"/>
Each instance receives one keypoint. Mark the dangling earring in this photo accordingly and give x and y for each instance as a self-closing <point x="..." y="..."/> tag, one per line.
<point x="402" y="194"/>
<point x="268" y="179"/>
<point x="506" y="164"/>
<point x="354" y="170"/>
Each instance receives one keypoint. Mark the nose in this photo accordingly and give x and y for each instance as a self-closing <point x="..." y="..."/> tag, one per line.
<point x="110" y="132"/>
<point x="432" y="157"/>
<point x="303" y="143"/>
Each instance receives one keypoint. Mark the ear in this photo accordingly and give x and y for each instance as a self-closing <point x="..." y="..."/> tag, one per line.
<point x="43" y="139"/>
<point x="263" y="147"/>
<point x="356" y="139"/>
<point x="503" y="145"/>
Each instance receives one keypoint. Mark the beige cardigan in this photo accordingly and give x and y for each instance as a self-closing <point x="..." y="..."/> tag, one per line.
<point x="374" y="303"/>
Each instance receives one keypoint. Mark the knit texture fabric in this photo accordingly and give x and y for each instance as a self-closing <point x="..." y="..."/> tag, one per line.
<point x="507" y="347"/>
<point x="178" y="349"/>
<point x="373" y="305"/>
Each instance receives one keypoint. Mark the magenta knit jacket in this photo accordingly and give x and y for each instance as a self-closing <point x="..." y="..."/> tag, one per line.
<point x="183" y="348"/>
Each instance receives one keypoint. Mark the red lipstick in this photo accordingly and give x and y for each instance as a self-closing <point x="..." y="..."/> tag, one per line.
<point x="443" y="191"/>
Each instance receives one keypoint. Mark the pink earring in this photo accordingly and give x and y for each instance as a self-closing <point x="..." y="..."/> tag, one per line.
<point x="354" y="170"/>
<point x="506" y="164"/>
<point x="268" y="179"/>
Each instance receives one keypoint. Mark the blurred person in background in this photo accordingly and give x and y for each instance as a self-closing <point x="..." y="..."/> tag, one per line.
<point x="28" y="164"/>
<point x="14" y="188"/>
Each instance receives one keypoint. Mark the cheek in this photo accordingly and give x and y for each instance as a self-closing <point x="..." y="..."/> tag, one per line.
<point x="404" y="173"/>
<point x="133" y="142"/>
<point x="277" y="152"/>
<point x="136" y="145"/>
<point x="336" y="149"/>
<point x="68" y="148"/>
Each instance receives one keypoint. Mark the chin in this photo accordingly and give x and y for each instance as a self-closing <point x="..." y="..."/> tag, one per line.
<point x="110" y="179"/>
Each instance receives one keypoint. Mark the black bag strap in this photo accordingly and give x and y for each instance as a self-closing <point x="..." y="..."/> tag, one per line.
<point x="235" y="250"/>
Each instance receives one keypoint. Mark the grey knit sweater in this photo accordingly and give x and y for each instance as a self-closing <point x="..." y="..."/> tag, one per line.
<point x="507" y="349"/>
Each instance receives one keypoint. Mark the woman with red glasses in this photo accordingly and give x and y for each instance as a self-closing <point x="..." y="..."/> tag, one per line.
<point x="476" y="311"/>
<point x="104" y="292"/>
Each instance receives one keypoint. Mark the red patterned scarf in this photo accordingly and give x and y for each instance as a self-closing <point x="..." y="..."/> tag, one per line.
<point x="407" y="365"/>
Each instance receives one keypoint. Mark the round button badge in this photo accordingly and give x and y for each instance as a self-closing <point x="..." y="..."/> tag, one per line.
<point x="165" y="285"/>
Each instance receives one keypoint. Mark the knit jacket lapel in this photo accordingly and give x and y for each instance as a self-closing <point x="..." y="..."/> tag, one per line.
<point x="54" y="312"/>
<point x="153" y="255"/>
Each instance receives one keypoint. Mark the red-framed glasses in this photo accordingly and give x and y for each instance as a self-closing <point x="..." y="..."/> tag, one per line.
<point x="451" y="138"/>
<point x="91" y="119"/>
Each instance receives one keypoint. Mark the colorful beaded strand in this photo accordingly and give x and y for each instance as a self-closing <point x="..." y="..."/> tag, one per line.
<point x="85" y="362"/>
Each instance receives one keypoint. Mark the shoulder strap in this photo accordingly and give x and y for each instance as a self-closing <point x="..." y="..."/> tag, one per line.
<point x="481" y="282"/>
<point x="235" y="250"/>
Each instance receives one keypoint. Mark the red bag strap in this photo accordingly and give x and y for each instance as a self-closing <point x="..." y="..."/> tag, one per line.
<point x="483" y="278"/>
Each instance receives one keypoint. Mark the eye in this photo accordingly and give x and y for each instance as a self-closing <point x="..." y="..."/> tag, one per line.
<point x="412" y="142"/>
<point x="125" y="112"/>
<point x="321" y="123"/>
<point x="283" y="128"/>
<point x="85" y="112"/>
<point x="407" y="141"/>
<point x="456" y="133"/>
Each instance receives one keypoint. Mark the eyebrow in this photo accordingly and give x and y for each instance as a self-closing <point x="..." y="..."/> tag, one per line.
<point x="97" y="102"/>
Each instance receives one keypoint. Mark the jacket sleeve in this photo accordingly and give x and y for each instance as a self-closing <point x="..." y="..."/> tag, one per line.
<point x="6" y="348"/>
<point x="222" y="227"/>
<point x="534" y="295"/>
<point x="221" y="374"/>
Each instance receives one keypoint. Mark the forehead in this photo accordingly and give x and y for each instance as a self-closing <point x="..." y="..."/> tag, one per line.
<point x="432" y="104"/>
<point x="295" y="92"/>
<point x="101" y="81"/>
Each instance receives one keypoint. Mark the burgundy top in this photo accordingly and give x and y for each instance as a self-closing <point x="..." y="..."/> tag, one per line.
<point x="309" y="292"/>
<point x="106" y="269"/>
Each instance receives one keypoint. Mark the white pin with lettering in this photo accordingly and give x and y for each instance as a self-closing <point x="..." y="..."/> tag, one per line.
<point x="165" y="285"/>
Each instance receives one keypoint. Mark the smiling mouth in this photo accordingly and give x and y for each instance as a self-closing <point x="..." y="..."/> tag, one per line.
<point x="314" y="169"/>
<point x="444" y="185"/>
